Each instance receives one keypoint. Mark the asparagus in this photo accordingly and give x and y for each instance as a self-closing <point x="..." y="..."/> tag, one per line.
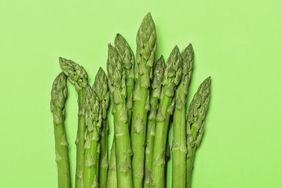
<point x="127" y="58"/>
<point x="112" y="176"/>
<point x="78" y="77"/>
<point x="159" y="68"/>
<point x="195" y="124"/>
<point x="93" y="120"/>
<point x="100" y="87"/>
<point x="171" y="79"/>
<point x="179" y="149"/>
<point x="122" y="141"/>
<point x="146" y="48"/>
<point x="58" y="101"/>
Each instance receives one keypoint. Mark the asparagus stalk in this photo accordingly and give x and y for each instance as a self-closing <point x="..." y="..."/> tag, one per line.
<point x="195" y="124"/>
<point x="145" y="53"/>
<point x="112" y="176"/>
<point x="172" y="78"/>
<point x="179" y="149"/>
<point x="58" y="101"/>
<point x="93" y="120"/>
<point x="100" y="87"/>
<point x="127" y="58"/>
<point x="77" y="75"/>
<point x="122" y="141"/>
<point x="158" y="74"/>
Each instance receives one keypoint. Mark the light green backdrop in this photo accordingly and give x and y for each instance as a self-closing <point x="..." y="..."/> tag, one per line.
<point x="237" y="42"/>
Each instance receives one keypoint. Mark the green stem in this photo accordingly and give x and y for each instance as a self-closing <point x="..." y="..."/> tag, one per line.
<point x="189" y="170"/>
<point x="80" y="140"/>
<point x="122" y="145"/>
<point x="104" y="156"/>
<point x="62" y="157"/>
<point x="179" y="149"/>
<point x="112" y="176"/>
<point x="159" y="151"/>
<point x="139" y="121"/>
<point x="91" y="164"/>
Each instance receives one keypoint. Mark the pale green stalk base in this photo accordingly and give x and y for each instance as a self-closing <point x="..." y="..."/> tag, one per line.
<point x="139" y="120"/>
<point x="122" y="145"/>
<point x="179" y="149"/>
<point x="189" y="170"/>
<point x="103" y="172"/>
<point x="149" y="152"/>
<point x="160" y="145"/>
<point x="80" y="140"/>
<point x="91" y="165"/>
<point x="62" y="156"/>
<point x="112" y="176"/>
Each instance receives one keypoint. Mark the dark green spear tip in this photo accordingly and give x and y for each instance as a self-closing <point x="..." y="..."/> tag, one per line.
<point x="59" y="92"/>
<point x="146" y="38"/>
<point x="188" y="54"/>
<point x="91" y="108"/>
<point x="76" y="73"/>
<point x="199" y="106"/>
<point x="187" y="59"/>
<point x="124" y="51"/>
<point x="100" y="87"/>
<point x="114" y="67"/>
<point x="158" y="74"/>
<point x="173" y="72"/>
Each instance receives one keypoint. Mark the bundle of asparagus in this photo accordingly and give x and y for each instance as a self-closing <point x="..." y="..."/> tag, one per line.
<point x="148" y="97"/>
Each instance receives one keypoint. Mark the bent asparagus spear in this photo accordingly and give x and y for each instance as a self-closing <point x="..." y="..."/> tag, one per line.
<point x="58" y="101"/>
<point x="77" y="75"/>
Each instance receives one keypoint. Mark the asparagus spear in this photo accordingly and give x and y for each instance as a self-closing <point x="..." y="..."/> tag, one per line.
<point x="112" y="176"/>
<point x="93" y="118"/>
<point x="100" y="87"/>
<point x="195" y="124"/>
<point x="122" y="141"/>
<point x="172" y="78"/>
<point x="127" y="58"/>
<point x="179" y="149"/>
<point x="58" y="100"/>
<point x="146" y="48"/>
<point x="78" y="77"/>
<point x="159" y="68"/>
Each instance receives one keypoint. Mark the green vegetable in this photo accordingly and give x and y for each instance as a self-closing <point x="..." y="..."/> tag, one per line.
<point x="158" y="74"/>
<point x="58" y="101"/>
<point x="195" y="124"/>
<point x="93" y="118"/>
<point x="77" y="75"/>
<point x="100" y="87"/>
<point x="112" y="175"/>
<point x="145" y="53"/>
<point x="172" y="77"/>
<point x="127" y="58"/>
<point x="117" y="88"/>
<point x="179" y="149"/>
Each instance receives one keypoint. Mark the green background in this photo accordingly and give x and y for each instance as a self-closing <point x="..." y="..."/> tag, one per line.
<point x="237" y="42"/>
